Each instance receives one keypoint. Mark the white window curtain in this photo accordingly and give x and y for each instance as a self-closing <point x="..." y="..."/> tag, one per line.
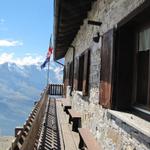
<point x="144" y="40"/>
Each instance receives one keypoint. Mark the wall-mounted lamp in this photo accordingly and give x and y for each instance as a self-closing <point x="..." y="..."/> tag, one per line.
<point x="96" y="38"/>
<point x="95" y="23"/>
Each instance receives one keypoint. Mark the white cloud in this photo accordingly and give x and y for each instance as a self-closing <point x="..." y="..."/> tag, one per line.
<point x="6" y="57"/>
<point x="2" y="21"/>
<point x="2" y="25"/>
<point x="33" y="59"/>
<point x="26" y="60"/>
<point x="10" y="43"/>
<point x="58" y="71"/>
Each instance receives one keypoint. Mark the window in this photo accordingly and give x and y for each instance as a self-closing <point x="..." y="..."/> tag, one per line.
<point x="70" y="73"/>
<point x="144" y="40"/>
<point x="81" y="69"/>
<point x="143" y="71"/>
<point x="131" y="77"/>
<point x="86" y="73"/>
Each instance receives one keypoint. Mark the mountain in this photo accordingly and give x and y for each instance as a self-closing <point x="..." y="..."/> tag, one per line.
<point x="20" y="87"/>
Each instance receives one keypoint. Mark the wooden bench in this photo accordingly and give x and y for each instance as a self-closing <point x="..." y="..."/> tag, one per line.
<point x="75" y="117"/>
<point x="87" y="140"/>
<point x="66" y="105"/>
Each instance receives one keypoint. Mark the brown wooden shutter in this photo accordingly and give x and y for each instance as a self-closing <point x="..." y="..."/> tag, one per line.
<point x="86" y="72"/>
<point x="106" y="69"/>
<point x="76" y="71"/>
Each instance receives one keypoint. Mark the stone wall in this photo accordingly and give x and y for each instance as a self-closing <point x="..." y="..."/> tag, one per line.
<point x="109" y="12"/>
<point x="113" y="130"/>
<point x="107" y="128"/>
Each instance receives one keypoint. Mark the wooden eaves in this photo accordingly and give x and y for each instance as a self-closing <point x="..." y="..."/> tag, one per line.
<point x="68" y="17"/>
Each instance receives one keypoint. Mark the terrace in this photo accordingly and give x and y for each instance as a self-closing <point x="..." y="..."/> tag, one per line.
<point x="47" y="126"/>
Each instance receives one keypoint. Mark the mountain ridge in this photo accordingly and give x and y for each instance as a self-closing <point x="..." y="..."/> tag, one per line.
<point x="20" y="86"/>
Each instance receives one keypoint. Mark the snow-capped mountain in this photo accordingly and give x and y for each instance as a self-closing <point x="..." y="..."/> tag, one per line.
<point x="20" y="87"/>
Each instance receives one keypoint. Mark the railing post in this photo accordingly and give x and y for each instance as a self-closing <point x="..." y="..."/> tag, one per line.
<point x="56" y="89"/>
<point x="51" y="89"/>
<point x="60" y="89"/>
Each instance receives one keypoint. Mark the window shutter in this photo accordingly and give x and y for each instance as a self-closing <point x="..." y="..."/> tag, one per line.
<point x="106" y="69"/>
<point x="86" y="72"/>
<point x="76" y="70"/>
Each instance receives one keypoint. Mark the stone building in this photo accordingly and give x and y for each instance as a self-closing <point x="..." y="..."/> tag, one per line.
<point x="106" y="45"/>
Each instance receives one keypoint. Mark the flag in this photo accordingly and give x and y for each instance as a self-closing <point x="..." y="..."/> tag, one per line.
<point x="50" y="49"/>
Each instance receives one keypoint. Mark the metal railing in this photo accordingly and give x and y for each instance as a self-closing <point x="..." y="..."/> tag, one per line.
<point x="56" y="89"/>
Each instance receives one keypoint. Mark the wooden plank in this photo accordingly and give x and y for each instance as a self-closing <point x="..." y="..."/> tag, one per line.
<point x="66" y="103"/>
<point x="74" y="114"/>
<point x="88" y="139"/>
<point x="19" y="145"/>
<point x="69" y="139"/>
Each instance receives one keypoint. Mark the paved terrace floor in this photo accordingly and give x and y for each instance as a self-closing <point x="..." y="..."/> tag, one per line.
<point x="56" y="133"/>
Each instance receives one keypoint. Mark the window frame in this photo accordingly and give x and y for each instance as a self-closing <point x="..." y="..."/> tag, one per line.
<point x="81" y="72"/>
<point x="83" y="77"/>
<point x="135" y="103"/>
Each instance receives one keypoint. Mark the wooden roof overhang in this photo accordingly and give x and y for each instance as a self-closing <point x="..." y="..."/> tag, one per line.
<point x="68" y="17"/>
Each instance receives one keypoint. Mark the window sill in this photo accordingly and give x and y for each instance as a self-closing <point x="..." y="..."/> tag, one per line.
<point x="142" y="110"/>
<point x="137" y="123"/>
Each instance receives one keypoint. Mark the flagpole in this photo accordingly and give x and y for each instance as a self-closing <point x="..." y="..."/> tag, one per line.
<point x="48" y="72"/>
<point x="48" y="68"/>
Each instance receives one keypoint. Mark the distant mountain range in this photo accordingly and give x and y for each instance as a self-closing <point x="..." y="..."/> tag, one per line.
<point x="20" y="87"/>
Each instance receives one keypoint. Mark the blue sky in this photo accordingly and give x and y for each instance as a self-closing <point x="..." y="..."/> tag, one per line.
<point x="25" y="28"/>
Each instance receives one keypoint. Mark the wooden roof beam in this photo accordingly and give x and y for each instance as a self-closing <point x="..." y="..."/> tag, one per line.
<point x="63" y="43"/>
<point x="69" y="29"/>
<point x="75" y="4"/>
<point x="74" y="16"/>
<point x="77" y="16"/>
<point x="72" y="12"/>
<point x="71" y="23"/>
<point x="59" y="39"/>
<point x="66" y="34"/>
